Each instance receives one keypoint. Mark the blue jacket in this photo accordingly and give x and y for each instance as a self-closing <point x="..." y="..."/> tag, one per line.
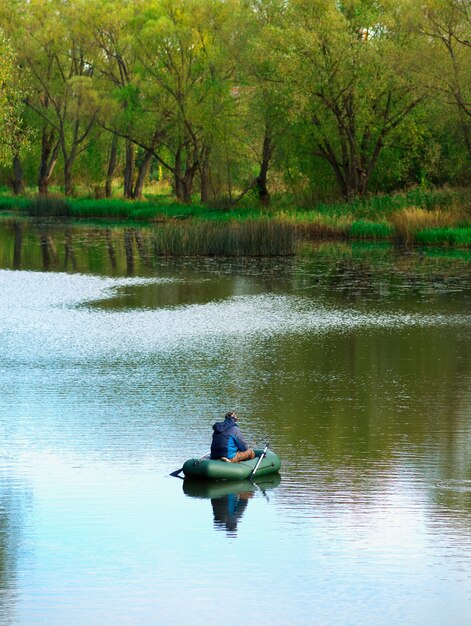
<point x="227" y="439"/>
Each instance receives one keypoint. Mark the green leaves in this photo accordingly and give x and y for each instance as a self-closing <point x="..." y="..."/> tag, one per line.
<point x="13" y="137"/>
<point x="327" y="95"/>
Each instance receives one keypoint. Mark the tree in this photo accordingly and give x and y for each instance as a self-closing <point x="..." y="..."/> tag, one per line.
<point x="12" y="134"/>
<point x="261" y="89"/>
<point x="110" y="24"/>
<point x="237" y="95"/>
<point x="187" y="77"/>
<point x="350" y="82"/>
<point x="61" y="84"/>
<point x="446" y="25"/>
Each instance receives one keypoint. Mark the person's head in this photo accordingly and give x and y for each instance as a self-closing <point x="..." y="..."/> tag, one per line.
<point x="231" y="416"/>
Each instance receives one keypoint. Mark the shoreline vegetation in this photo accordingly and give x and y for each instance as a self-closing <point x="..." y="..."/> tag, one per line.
<point x="239" y="128"/>
<point x="424" y="217"/>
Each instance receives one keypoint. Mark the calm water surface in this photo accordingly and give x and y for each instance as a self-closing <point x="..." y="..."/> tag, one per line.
<point x="354" y="362"/>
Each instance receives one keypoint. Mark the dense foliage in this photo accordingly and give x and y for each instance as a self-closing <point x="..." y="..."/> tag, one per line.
<point x="216" y="98"/>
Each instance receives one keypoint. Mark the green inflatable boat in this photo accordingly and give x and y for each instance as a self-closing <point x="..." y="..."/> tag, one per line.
<point x="210" y="469"/>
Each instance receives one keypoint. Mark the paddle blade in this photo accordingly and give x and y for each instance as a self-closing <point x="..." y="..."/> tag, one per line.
<point x="176" y="472"/>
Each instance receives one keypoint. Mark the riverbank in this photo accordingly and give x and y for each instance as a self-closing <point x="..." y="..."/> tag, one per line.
<point x="420" y="216"/>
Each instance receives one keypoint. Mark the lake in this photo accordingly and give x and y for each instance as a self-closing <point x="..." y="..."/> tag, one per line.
<point x="353" y="361"/>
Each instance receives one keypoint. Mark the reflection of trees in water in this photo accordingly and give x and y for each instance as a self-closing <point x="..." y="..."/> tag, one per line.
<point x="48" y="250"/>
<point x="369" y="394"/>
<point x="47" y="247"/>
<point x="128" y="246"/>
<point x="134" y="239"/>
<point x="143" y="248"/>
<point x="69" y="255"/>
<point x="128" y="250"/>
<point x="110" y="248"/>
<point x="18" y="228"/>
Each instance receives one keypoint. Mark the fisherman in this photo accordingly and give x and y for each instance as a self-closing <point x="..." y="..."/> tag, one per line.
<point x="228" y="441"/>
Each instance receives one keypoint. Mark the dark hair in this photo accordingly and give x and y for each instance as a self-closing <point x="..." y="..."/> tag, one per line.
<point x="231" y="414"/>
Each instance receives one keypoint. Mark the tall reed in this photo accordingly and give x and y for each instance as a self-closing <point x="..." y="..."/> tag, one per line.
<point x="409" y="221"/>
<point x="315" y="225"/>
<point x="49" y="206"/>
<point x="261" y="237"/>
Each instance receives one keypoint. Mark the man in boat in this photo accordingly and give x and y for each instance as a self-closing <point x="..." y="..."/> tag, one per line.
<point x="228" y="441"/>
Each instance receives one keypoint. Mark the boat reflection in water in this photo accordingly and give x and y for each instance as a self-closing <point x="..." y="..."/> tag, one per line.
<point x="229" y="498"/>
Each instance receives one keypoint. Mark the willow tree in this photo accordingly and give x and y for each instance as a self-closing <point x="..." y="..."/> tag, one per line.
<point x="13" y="135"/>
<point x="187" y="77"/>
<point x="446" y="27"/>
<point x="347" y="62"/>
<point x="61" y="93"/>
<point x="261" y="86"/>
<point x="109" y="24"/>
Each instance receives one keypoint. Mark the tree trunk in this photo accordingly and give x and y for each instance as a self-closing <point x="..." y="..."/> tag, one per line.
<point x="184" y="176"/>
<point x="177" y="176"/>
<point x="18" y="183"/>
<point x="191" y="167"/>
<point x="142" y="175"/>
<point x="262" y="190"/>
<point x="111" y="167"/>
<point x="267" y="152"/>
<point x="129" y="170"/>
<point x="188" y="186"/>
<point x="205" y="185"/>
<point x="68" y="186"/>
<point x="49" y="152"/>
<point x="205" y="176"/>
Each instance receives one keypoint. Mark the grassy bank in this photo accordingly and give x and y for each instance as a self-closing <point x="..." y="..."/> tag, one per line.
<point x="425" y="217"/>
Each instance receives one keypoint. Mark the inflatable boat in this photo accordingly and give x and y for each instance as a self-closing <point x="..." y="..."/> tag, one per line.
<point x="211" y="469"/>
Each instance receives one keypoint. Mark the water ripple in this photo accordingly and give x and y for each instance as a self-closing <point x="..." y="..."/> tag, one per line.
<point x="44" y="314"/>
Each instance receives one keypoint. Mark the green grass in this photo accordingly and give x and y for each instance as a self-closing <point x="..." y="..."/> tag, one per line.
<point x="135" y="210"/>
<point x="459" y="237"/>
<point x="425" y="216"/>
<point x="372" y="207"/>
<point x="365" y="229"/>
<point x="159" y="206"/>
<point x="13" y="203"/>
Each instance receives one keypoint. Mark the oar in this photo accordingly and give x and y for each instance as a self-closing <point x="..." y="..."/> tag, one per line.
<point x="260" y="459"/>
<point x="177" y="472"/>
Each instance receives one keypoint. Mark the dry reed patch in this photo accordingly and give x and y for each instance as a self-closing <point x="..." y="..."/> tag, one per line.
<point x="409" y="221"/>
<point x="318" y="226"/>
